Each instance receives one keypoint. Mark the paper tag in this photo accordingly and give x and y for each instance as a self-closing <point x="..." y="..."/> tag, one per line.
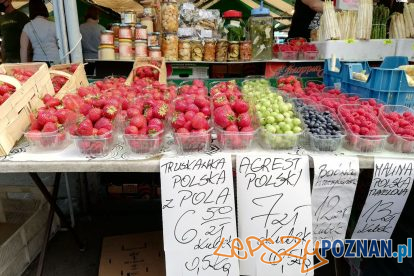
<point x="390" y="187"/>
<point x="206" y="33"/>
<point x="235" y="23"/>
<point x="187" y="6"/>
<point x="198" y="210"/>
<point x="334" y="186"/>
<point x="387" y="41"/>
<point x="273" y="200"/>
<point x="350" y="40"/>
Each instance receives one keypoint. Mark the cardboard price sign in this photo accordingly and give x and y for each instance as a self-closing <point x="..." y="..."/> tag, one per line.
<point x="390" y="187"/>
<point x="274" y="201"/>
<point x="334" y="186"/>
<point x="198" y="211"/>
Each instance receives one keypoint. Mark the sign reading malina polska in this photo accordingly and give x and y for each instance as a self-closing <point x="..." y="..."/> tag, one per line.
<point x="198" y="211"/>
<point x="273" y="200"/>
<point x="391" y="184"/>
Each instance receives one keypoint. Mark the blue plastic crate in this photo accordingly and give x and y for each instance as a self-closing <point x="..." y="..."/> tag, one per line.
<point x="394" y="62"/>
<point x="330" y="78"/>
<point x="351" y="85"/>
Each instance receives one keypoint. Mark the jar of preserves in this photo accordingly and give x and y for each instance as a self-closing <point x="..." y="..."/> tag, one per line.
<point x="106" y="52"/>
<point x="125" y="49"/>
<point x="125" y="32"/>
<point x="141" y="49"/>
<point x="196" y="50"/>
<point x="233" y="51"/>
<point x="141" y="32"/>
<point x="184" y="50"/>
<point x="155" y="52"/>
<point x="107" y="37"/>
<point x="169" y="16"/>
<point x="170" y="46"/>
<point x="115" y="28"/>
<point x="234" y="28"/>
<point x="209" y="50"/>
<point x="154" y="39"/>
<point x="128" y="17"/>
<point x="245" y="50"/>
<point x="221" y="50"/>
<point x="147" y="21"/>
<point x="261" y="33"/>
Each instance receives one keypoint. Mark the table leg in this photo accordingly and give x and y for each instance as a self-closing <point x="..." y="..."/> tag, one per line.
<point x="54" y="208"/>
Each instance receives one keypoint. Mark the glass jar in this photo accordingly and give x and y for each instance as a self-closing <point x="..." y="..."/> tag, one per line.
<point x="125" y="32"/>
<point x="169" y="16"/>
<point x="261" y="34"/>
<point x="209" y="50"/>
<point x="140" y="32"/>
<point x="129" y="17"/>
<point x="196" y="50"/>
<point x="141" y="49"/>
<point x="149" y="11"/>
<point x="170" y="46"/>
<point x="106" y="52"/>
<point x="115" y="28"/>
<point x="154" y="52"/>
<point x="184" y="50"/>
<point x="234" y="28"/>
<point x="154" y="39"/>
<point x="221" y="50"/>
<point x="107" y="37"/>
<point x="147" y="21"/>
<point x="245" y="50"/>
<point x="233" y="51"/>
<point x="125" y="49"/>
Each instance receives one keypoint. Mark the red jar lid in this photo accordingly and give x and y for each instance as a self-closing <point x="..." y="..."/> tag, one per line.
<point x="232" y="14"/>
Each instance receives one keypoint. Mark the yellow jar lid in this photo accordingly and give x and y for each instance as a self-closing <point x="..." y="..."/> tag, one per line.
<point x="125" y="40"/>
<point x="106" y="46"/>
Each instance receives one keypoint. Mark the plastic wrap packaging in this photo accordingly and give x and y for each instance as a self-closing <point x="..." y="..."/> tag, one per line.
<point x="207" y="23"/>
<point x="187" y="14"/>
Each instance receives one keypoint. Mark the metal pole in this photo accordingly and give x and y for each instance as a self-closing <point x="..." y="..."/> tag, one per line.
<point x="60" y="21"/>
<point x="72" y="27"/>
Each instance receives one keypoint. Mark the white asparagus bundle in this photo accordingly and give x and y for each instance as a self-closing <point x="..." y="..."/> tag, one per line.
<point x="321" y="30"/>
<point x="364" y="20"/>
<point x="331" y="27"/>
<point x="398" y="27"/>
<point x="409" y="23"/>
<point x="346" y="22"/>
<point x="410" y="8"/>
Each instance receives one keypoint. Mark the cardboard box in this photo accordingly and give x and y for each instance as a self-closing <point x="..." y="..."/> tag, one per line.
<point x="134" y="255"/>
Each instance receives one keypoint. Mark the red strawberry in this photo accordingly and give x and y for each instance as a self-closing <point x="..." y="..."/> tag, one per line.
<point x="232" y="128"/>
<point x="45" y="99"/>
<point x="149" y="113"/>
<point x="109" y="111"/>
<point x="201" y="102"/>
<point x="49" y="127"/>
<point x="224" y="116"/>
<point x="244" y="120"/>
<point x="156" y="121"/>
<point x="94" y="114"/>
<point x="206" y="110"/>
<point x="188" y="125"/>
<point x="220" y="100"/>
<point x="160" y="110"/>
<point x="181" y="106"/>
<point x="103" y="123"/>
<point x="132" y="112"/>
<point x="154" y="129"/>
<point x="84" y="108"/>
<point x="178" y="120"/>
<point x="104" y="132"/>
<point x="240" y="106"/>
<point x="131" y="130"/>
<point x="199" y="122"/>
<point x="71" y="102"/>
<point x="247" y="129"/>
<point x="189" y="115"/>
<point x="193" y="107"/>
<point x="138" y="121"/>
<point x="45" y="117"/>
<point x="85" y="128"/>
<point x="53" y="102"/>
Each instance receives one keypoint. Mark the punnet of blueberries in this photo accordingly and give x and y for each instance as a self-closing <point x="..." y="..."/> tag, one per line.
<point x="320" y="122"/>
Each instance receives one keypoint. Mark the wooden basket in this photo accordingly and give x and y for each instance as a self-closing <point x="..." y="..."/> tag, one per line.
<point x="14" y="113"/>
<point x="145" y="62"/>
<point x="75" y="80"/>
<point x="23" y="217"/>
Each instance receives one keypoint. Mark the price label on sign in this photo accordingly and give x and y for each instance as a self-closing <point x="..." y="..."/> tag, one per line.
<point x="198" y="213"/>
<point x="387" y="41"/>
<point x="334" y="186"/>
<point x="390" y="187"/>
<point x="350" y="40"/>
<point x="273" y="192"/>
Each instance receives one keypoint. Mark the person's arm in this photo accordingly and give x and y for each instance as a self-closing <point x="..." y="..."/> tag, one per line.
<point x="316" y="5"/>
<point x="24" y="47"/>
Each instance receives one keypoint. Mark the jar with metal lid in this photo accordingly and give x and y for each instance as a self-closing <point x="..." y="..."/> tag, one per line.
<point x="245" y="50"/>
<point x="147" y="21"/>
<point x="154" y="52"/>
<point x="154" y="39"/>
<point x="141" y="48"/>
<point x="106" y="52"/>
<point x="125" y="49"/>
<point x="129" y="17"/>
<point x="209" y="50"/>
<point x="233" y="51"/>
<point x="261" y="33"/>
<point x="184" y="49"/>
<point x="140" y="32"/>
<point x="107" y="37"/>
<point x="115" y="28"/>
<point x="197" y="50"/>
<point x="125" y="32"/>
<point x="234" y="28"/>
<point x="170" y="46"/>
<point x="169" y="16"/>
<point x="149" y="11"/>
<point x="221" y="50"/>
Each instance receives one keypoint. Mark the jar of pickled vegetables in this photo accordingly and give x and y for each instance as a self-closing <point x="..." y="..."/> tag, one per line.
<point x="196" y="50"/>
<point x="170" y="46"/>
<point x="221" y="50"/>
<point x="245" y="50"/>
<point x="233" y="51"/>
<point x="169" y="16"/>
<point x="261" y="33"/>
<point x="184" y="50"/>
<point x="209" y="50"/>
<point x="234" y="28"/>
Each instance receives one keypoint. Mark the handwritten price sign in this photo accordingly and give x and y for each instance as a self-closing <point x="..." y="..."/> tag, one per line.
<point x="390" y="187"/>
<point x="198" y="211"/>
<point x="334" y="186"/>
<point x="274" y="201"/>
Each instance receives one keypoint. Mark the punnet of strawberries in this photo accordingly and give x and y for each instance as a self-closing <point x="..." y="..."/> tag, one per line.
<point x="59" y="81"/>
<point x="6" y="90"/>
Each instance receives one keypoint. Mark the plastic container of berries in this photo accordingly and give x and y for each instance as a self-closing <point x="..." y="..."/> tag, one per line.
<point x="144" y="144"/>
<point x="364" y="131"/>
<point x="45" y="142"/>
<point x="193" y="142"/>
<point x="95" y="146"/>
<point x="398" y="121"/>
<point x="324" y="132"/>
